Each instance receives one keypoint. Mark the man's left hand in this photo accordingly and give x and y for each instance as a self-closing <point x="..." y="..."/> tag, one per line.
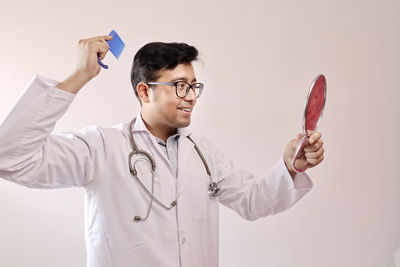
<point x="311" y="155"/>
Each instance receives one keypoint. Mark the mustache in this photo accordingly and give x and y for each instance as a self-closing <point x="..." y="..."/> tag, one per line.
<point x="186" y="106"/>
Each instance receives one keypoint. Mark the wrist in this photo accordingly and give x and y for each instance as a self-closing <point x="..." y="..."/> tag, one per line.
<point x="288" y="165"/>
<point x="74" y="82"/>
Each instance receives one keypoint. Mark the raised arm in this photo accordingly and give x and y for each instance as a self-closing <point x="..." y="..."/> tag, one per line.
<point x="29" y="153"/>
<point x="87" y="67"/>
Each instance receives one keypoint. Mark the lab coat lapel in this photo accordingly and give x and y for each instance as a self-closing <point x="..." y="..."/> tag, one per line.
<point x="185" y="150"/>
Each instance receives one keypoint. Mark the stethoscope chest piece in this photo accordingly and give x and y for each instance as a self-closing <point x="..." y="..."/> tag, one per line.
<point x="214" y="189"/>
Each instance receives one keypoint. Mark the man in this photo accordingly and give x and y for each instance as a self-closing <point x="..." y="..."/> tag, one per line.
<point x="157" y="208"/>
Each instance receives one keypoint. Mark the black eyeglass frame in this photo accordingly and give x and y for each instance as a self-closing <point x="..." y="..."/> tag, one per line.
<point x="190" y="86"/>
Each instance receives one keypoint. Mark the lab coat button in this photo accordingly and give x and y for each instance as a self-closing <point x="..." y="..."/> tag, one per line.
<point x="183" y="240"/>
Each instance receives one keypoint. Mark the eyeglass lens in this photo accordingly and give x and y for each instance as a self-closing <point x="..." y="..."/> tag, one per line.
<point x="183" y="88"/>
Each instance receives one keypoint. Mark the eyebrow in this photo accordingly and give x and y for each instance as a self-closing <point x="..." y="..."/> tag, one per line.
<point x="183" y="79"/>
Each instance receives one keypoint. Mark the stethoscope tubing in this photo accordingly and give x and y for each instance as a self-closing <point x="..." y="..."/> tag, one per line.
<point x="214" y="189"/>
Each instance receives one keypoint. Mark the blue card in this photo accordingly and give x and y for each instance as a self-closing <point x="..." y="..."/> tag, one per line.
<point x="116" y="47"/>
<point x="116" y="44"/>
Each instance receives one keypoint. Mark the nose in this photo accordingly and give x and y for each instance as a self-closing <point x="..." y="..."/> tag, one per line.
<point x="191" y="96"/>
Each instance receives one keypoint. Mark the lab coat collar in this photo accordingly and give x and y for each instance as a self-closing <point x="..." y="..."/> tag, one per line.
<point x="185" y="146"/>
<point x="139" y="126"/>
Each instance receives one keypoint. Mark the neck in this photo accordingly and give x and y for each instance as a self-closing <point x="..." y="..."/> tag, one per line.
<point x="159" y="130"/>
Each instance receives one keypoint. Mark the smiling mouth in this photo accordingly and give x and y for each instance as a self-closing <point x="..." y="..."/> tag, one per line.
<point x="186" y="109"/>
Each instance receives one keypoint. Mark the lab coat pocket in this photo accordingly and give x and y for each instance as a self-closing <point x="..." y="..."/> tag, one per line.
<point x="132" y="252"/>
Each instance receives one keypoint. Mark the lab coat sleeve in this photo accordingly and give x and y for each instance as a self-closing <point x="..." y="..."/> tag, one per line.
<point x="31" y="156"/>
<point x="255" y="197"/>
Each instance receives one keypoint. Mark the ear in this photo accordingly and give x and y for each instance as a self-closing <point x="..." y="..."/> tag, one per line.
<point x="143" y="92"/>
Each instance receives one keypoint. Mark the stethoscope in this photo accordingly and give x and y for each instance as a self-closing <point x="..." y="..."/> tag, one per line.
<point x="214" y="189"/>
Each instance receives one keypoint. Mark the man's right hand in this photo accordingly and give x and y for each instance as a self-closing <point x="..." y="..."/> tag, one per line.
<point x="87" y="67"/>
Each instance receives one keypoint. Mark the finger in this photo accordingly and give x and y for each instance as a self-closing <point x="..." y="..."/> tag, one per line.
<point x="315" y="147"/>
<point x="103" y="42"/>
<point x="102" y="49"/>
<point x="296" y="142"/>
<point x="301" y="164"/>
<point x="315" y="136"/>
<point x="314" y="155"/>
<point x="93" y="43"/>
<point x="301" y="154"/>
<point x="315" y="162"/>
<point x="100" y="38"/>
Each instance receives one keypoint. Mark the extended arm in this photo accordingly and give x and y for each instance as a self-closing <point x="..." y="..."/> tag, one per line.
<point x="255" y="197"/>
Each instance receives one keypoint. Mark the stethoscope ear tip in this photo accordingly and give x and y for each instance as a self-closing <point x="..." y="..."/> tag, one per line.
<point x="137" y="218"/>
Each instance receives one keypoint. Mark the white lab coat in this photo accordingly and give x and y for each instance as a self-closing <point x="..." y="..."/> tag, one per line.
<point x="96" y="159"/>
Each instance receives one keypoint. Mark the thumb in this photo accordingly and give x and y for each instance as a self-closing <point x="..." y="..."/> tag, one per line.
<point x="299" y="137"/>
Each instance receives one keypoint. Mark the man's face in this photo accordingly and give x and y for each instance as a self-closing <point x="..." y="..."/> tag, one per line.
<point x="166" y="107"/>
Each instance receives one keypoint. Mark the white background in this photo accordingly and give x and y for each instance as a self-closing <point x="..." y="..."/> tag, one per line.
<point x="258" y="60"/>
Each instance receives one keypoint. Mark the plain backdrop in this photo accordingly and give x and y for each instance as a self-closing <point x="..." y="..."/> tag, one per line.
<point x="258" y="59"/>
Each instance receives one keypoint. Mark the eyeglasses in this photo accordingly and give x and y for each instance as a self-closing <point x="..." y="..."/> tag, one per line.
<point x="182" y="88"/>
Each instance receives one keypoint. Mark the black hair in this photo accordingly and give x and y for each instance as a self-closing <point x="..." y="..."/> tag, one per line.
<point x="156" y="56"/>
